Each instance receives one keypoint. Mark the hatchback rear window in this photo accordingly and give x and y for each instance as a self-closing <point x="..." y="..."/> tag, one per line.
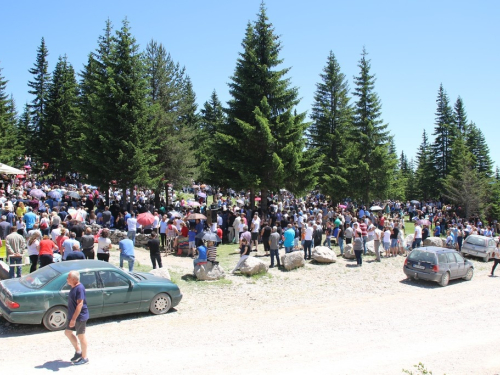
<point x="478" y="241"/>
<point x="422" y="256"/>
<point x="39" y="278"/>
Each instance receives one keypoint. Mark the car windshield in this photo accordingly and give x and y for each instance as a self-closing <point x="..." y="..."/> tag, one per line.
<point x="39" y="278"/>
<point x="476" y="241"/>
<point x="422" y="256"/>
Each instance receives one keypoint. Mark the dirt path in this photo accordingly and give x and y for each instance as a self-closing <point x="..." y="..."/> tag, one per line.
<point x="331" y="319"/>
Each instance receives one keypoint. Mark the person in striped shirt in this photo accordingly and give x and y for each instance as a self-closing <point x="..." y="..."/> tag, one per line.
<point x="211" y="251"/>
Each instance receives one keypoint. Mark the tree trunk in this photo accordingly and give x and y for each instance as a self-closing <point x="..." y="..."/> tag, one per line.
<point x="167" y="200"/>
<point x="263" y="203"/>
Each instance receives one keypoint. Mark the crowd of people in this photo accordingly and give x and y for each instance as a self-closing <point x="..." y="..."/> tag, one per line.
<point x="51" y="218"/>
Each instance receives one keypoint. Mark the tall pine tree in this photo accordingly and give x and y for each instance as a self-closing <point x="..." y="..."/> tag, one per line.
<point x="40" y="89"/>
<point x="331" y="125"/>
<point x="425" y="172"/>
<point x="444" y="132"/>
<point x="263" y="141"/>
<point x="374" y="163"/>
<point x="62" y="118"/>
<point x="476" y="143"/>
<point x="10" y="150"/>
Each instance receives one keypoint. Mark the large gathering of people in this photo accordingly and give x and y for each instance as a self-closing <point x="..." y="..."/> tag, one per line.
<point x="53" y="219"/>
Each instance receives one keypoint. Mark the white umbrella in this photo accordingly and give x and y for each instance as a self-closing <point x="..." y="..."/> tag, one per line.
<point x="376" y="208"/>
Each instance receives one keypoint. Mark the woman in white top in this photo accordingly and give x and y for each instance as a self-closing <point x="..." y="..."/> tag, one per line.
<point x="20" y="225"/>
<point x="33" y="248"/>
<point x="103" y="245"/>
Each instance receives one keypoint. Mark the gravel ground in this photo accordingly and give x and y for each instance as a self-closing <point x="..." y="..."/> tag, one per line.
<point x="333" y="319"/>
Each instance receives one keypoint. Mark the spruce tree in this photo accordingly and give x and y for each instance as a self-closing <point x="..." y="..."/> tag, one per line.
<point x="460" y="117"/>
<point x="373" y="162"/>
<point x="62" y="118"/>
<point x="212" y="120"/>
<point x="262" y="143"/>
<point x="331" y="125"/>
<point x="40" y="89"/>
<point x="24" y="132"/>
<point x="173" y="138"/>
<point x="425" y="172"/>
<point x="118" y="133"/>
<point x="10" y="150"/>
<point x="444" y="132"/>
<point x="476" y="143"/>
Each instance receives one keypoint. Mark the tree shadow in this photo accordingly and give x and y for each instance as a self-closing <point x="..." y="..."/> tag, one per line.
<point x="351" y="265"/>
<point x="189" y="277"/>
<point x="55" y="365"/>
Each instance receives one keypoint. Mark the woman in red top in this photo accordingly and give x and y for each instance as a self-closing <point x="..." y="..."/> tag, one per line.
<point x="46" y="250"/>
<point x="60" y="239"/>
<point x="184" y="230"/>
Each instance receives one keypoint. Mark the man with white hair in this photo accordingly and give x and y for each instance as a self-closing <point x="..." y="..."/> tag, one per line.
<point x="78" y="314"/>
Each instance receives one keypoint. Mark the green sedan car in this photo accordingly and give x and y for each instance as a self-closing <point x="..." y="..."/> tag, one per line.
<point x="42" y="296"/>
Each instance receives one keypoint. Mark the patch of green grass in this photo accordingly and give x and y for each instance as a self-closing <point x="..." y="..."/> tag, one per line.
<point x="189" y="281"/>
<point x="262" y="275"/>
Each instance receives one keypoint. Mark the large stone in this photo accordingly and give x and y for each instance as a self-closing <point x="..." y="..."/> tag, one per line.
<point x="161" y="272"/>
<point x="116" y="236"/>
<point x="409" y="239"/>
<point x="252" y="266"/>
<point x="293" y="260"/>
<point x="4" y="271"/>
<point x="349" y="252"/>
<point x="141" y="240"/>
<point x="209" y="271"/>
<point x="370" y="247"/>
<point x="323" y="254"/>
<point x="434" y="241"/>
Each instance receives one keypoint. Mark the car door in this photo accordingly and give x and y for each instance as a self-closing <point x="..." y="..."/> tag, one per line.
<point x="461" y="266"/>
<point x="93" y="292"/>
<point x="120" y="293"/>
<point x="452" y="264"/>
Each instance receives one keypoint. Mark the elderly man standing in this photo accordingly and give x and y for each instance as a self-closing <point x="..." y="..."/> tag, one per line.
<point x="15" y="245"/>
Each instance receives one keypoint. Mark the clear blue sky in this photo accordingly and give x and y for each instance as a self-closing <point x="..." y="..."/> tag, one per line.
<point x="414" y="46"/>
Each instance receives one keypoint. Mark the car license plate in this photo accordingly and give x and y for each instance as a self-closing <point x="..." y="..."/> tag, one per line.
<point x="418" y="266"/>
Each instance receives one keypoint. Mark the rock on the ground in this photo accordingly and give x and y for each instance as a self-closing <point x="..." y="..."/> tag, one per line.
<point x="370" y="247"/>
<point x="433" y="241"/>
<point x="323" y="254"/>
<point x="209" y="271"/>
<point x="4" y="271"/>
<point x="95" y="228"/>
<point x="161" y="272"/>
<point x="409" y="239"/>
<point x="142" y="240"/>
<point x="349" y="252"/>
<point x="116" y="236"/>
<point x="252" y="266"/>
<point x="293" y="260"/>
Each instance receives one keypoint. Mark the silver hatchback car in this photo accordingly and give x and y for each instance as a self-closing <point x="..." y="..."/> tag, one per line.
<point x="479" y="246"/>
<point x="437" y="264"/>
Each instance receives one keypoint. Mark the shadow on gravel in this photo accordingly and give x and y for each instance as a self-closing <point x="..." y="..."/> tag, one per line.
<point x="425" y="284"/>
<point x="55" y="365"/>
<point x="351" y="265"/>
<point x="189" y="277"/>
<point x="15" y="330"/>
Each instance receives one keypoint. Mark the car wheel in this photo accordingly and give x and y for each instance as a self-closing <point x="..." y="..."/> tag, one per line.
<point x="445" y="279"/>
<point x="160" y="304"/>
<point x="469" y="274"/>
<point x="55" y="319"/>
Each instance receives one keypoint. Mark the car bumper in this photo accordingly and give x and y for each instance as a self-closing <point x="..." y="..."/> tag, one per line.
<point x="21" y="317"/>
<point x="421" y="275"/>
<point x="474" y="253"/>
<point x="176" y="299"/>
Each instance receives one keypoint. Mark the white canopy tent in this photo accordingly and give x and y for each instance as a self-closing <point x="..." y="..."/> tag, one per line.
<point x="4" y="168"/>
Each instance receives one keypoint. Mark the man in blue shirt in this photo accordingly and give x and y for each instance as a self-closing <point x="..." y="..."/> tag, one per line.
<point x="29" y="219"/>
<point x="289" y="239"/>
<point x="78" y="314"/>
<point x="127" y="253"/>
<point x="68" y="245"/>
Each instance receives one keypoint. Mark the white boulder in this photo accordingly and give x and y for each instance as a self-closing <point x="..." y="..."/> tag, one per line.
<point x="209" y="271"/>
<point x="293" y="260"/>
<point x="161" y="272"/>
<point x="434" y="241"/>
<point x="323" y="254"/>
<point x="349" y="252"/>
<point x="253" y="266"/>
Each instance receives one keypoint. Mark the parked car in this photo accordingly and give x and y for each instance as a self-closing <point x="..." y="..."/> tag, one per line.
<point x="42" y="296"/>
<point x="479" y="246"/>
<point x="437" y="264"/>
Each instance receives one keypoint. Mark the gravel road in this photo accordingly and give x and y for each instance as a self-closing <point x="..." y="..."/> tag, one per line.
<point x="325" y="319"/>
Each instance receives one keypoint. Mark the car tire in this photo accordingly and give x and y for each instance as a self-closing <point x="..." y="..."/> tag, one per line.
<point x="55" y="319"/>
<point x="445" y="279"/>
<point x="160" y="304"/>
<point x="469" y="274"/>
